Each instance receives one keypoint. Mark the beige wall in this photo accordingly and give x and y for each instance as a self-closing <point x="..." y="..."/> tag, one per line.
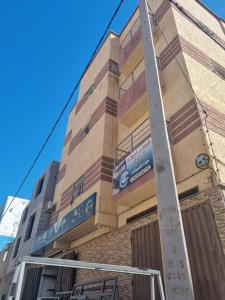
<point x="108" y="132"/>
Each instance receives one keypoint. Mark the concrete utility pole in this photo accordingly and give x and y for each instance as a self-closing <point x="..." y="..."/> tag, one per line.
<point x="177" y="273"/>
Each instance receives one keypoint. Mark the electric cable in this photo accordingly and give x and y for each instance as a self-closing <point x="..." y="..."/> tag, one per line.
<point x="189" y="83"/>
<point x="65" y="106"/>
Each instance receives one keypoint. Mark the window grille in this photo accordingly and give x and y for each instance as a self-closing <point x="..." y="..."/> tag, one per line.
<point x="78" y="187"/>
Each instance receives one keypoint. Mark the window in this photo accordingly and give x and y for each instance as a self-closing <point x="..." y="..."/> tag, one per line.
<point x="5" y="256"/>
<point x="29" y="228"/>
<point x="78" y="187"/>
<point x="189" y="193"/>
<point x="142" y="214"/>
<point x="39" y="186"/>
<point x="25" y="215"/>
<point x="84" y="132"/>
<point x="89" y="91"/>
<point x="16" y="247"/>
<point x="113" y="67"/>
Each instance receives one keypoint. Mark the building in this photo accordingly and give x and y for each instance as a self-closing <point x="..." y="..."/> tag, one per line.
<point x="105" y="198"/>
<point x="10" y="218"/>
<point x="34" y="220"/>
<point x="4" y="262"/>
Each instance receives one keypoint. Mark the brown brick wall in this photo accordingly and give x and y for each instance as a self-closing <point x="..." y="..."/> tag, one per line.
<point x="111" y="248"/>
<point x="115" y="247"/>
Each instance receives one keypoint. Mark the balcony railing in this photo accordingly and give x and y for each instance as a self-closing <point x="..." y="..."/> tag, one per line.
<point x="135" y="139"/>
<point x="129" y="81"/>
<point x="131" y="33"/>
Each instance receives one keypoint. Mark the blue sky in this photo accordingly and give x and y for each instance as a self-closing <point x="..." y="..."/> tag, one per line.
<point x="45" y="45"/>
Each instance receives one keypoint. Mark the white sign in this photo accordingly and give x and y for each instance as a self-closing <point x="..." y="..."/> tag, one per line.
<point x="12" y="215"/>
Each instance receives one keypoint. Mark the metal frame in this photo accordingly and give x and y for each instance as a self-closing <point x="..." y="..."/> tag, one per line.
<point x="140" y="134"/>
<point x="66" y="263"/>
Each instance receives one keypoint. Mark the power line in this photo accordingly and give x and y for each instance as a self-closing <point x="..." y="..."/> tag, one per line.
<point x="65" y="106"/>
<point x="189" y="83"/>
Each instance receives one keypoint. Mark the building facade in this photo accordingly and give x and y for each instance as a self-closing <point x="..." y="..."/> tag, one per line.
<point x="105" y="198"/>
<point x="5" y="255"/>
<point x="35" y="219"/>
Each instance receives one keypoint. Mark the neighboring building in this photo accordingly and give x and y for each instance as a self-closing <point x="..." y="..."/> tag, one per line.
<point x="105" y="197"/>
<point x="34" y="220"/>
<point x="10" y="218"/>
<point x="4" y="261"/>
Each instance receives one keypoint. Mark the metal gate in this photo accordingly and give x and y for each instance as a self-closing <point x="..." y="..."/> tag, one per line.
<point x="65" y="277"/>
<point x="32" y="279"/>
<point x="204" y="249"/>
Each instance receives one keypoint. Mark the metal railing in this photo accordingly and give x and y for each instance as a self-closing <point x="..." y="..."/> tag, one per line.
<point x="130" y="143"/>
<point x="129" y="81"/>
<point x="18" y="278"/>
<point x="131" y="33"/>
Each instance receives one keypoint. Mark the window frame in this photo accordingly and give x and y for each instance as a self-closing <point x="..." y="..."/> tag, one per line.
<point x="24" y="216"/>
<point x="78" y="188"/>
<point x="30" y="227"/>
<point x="39" y="187"/>
<point x="17" y="245"/>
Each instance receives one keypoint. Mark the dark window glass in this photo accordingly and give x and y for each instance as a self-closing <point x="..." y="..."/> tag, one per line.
<point x="16" y="247"/>
<point x="113" y="67"/>
<point x="25" y="215"/>
<point x="84" y="132"/>
<point x="188" y="193"/>
<point x="78" y="187"/>
<point x="39" y="186"/>
<point x="142" y="214"/>
<point x="29" y="227"/>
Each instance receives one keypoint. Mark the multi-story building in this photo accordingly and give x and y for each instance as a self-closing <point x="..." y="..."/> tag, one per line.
<point x="105" y="197"/>
<point x="35" y="219"/>
<point x="4" y="262"/>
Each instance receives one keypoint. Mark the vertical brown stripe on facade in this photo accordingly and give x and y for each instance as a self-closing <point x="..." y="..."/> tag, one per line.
<point x="109" y="106"/>
<point x="167" y="55"/>
<point x="184" y="121"/>
<point x="161" y="11"/>
<point x="192" y="109"/>
<point x="110" y="66"/>
<point x="215" y="120"/>
<point x="61" y="174"/>
<point x="195" y="53"/>
<point x="67" y="138"/>
<point x="101" y="169"/>
<point x="182" y="110"/>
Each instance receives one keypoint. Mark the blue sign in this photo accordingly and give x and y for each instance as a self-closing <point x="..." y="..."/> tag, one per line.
<point x="133" y="167"/>
<point x="74" y="218"/>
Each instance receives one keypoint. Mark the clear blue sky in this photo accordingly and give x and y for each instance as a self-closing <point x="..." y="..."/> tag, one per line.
<point x="45" y="45"/>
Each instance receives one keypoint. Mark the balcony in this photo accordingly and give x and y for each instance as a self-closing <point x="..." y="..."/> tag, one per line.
<point x="130" y="143"/>
<point x="129" y="44"/>
<point x="133" y="167"/>
<point x="131" y="47"/>
<point x="132" y="102"/>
